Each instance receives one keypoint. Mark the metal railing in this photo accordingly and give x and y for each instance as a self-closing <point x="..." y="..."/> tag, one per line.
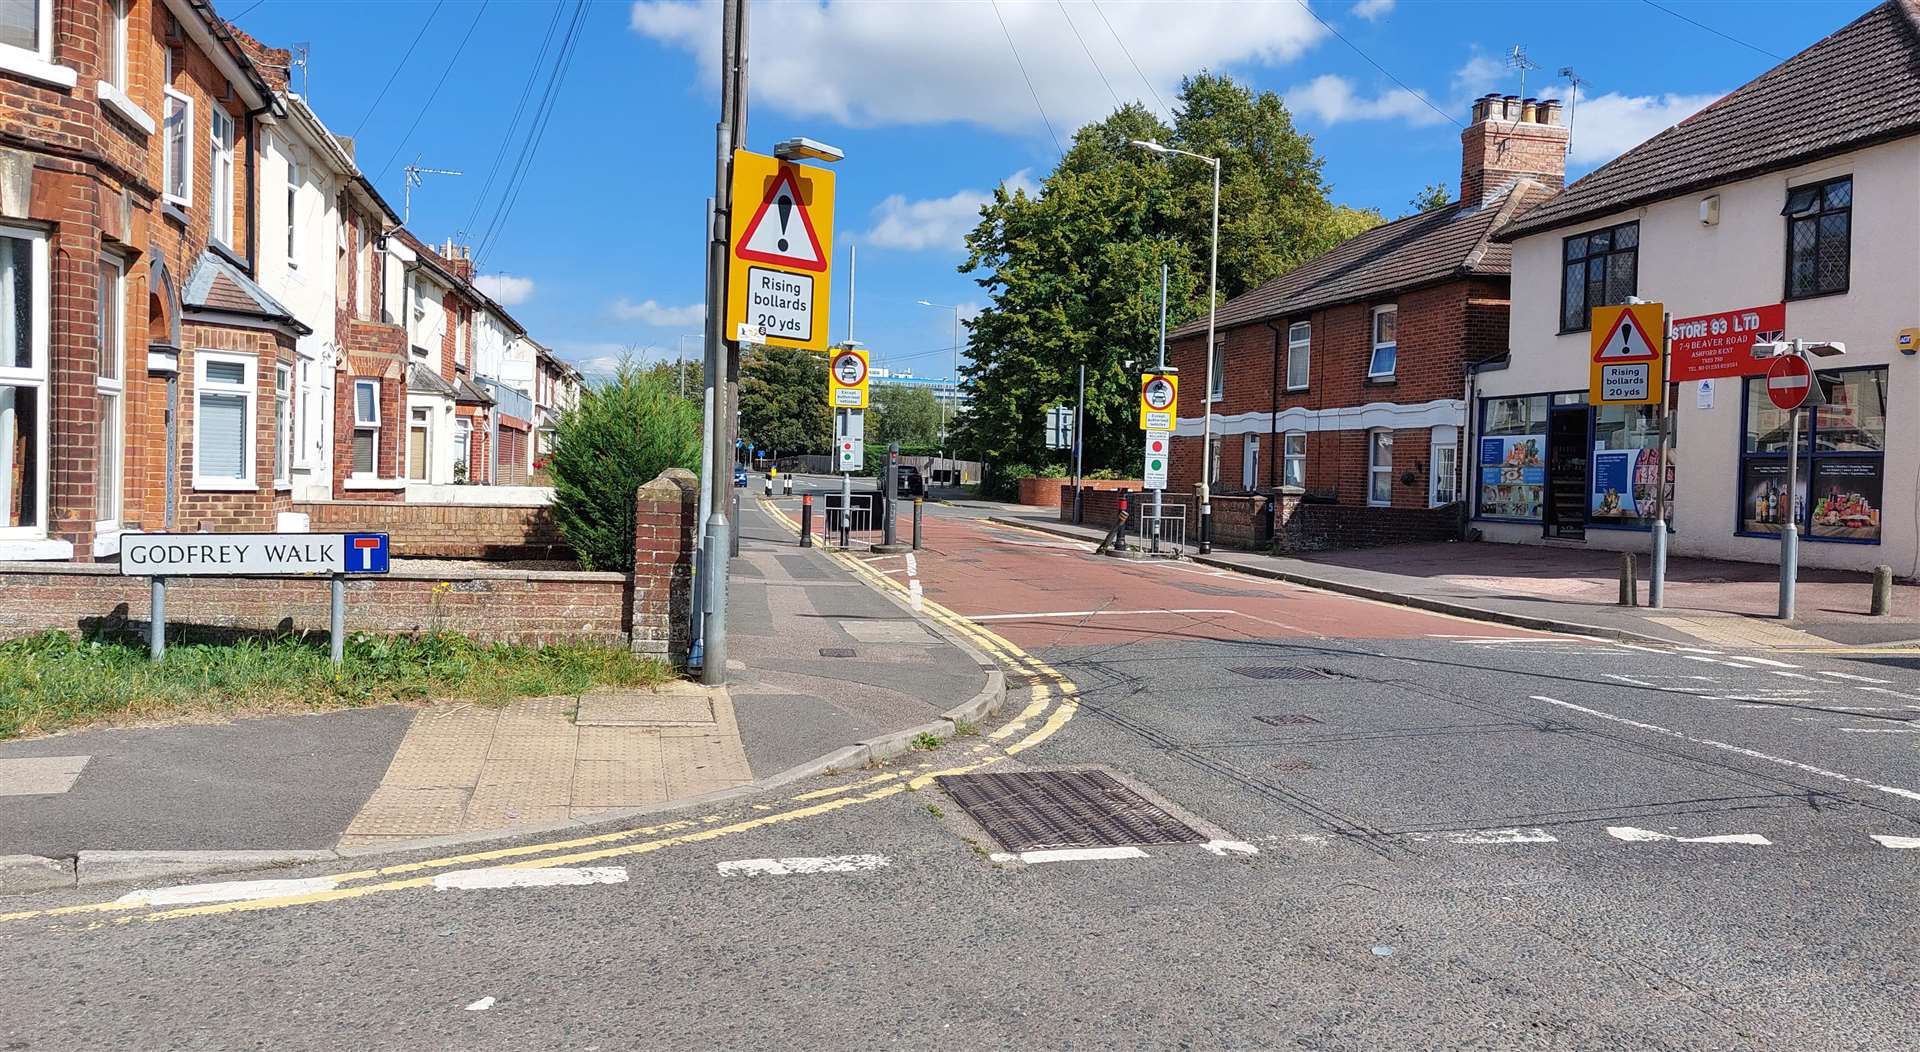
<point x="1164" y="532"/>
<point x="839" y="527"/>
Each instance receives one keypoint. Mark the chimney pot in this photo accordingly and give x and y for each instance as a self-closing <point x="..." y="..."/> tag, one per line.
<point x="1528" y="107"/>
<point x="1550" y="111"/>
<point x="1510" y="107"/>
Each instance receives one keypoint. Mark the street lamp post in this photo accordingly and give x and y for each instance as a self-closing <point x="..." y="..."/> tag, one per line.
<point x="1213" y="311"/>
<point x="953" y="380"/>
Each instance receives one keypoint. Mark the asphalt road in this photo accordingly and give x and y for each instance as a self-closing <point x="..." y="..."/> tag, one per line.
<point x="1433" y="834"/>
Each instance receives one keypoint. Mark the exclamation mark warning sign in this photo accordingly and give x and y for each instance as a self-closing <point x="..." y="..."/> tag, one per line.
<point x="780" y="231"/>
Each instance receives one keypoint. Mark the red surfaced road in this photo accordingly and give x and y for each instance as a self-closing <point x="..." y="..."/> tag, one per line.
<point x="1039" y="591"/>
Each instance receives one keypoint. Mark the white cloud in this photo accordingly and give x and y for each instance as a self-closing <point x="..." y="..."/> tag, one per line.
<point x="651" y="312"/>
<point x="938" y="222"/>
<point x="1333" y="99"/>
<point x="1607" y="126"/>
<point x="598" y="360"/>
<point x="505" y="288"/>
<point x="864" y="64"/>
<point x="1373" y="10"/>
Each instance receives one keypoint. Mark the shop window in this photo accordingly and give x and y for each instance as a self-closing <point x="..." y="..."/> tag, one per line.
<point x="1512" y="458"/>
<point x="1295" y="466"/>
<point x="1601" y="269"/>
<point x="23" y="383"/>
<point x="223" y="421"/>
<point x="1819" y="238"/>
<point x="1842" y="463"/>
<point x="1386" y="343"/>
<point x="1299" y="355"/>
<point x="1380" y="467"/>
<point x="1625" y="466"/>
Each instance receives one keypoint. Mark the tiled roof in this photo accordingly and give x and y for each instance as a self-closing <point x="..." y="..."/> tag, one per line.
<point x="1858" y="86"/>
<point x="467" y="392"/>
<point x="1418" y="250"/>
<point x="422" y="380"/>
<point x="216" y="284"/>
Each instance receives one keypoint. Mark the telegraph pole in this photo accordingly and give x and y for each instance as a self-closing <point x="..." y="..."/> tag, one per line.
<point x="722" y="354"/>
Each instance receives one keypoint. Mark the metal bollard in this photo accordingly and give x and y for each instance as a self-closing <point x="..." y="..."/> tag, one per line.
<point x="916" y="522"/>
<point x="1629" y="586"/>
<point x="1882" y="591"/>
<point x="806" y="520"/>
<point x="786" y="484"/>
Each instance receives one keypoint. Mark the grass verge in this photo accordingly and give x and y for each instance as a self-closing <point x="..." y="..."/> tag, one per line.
<point x="53" y="680"/>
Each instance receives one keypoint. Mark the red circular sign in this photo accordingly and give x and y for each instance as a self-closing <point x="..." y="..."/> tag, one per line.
<point x="1154" y="445"/>
<point x="850" y="369"/>
<point x="1789" y="381"/>
<point x="1157" y="392"/>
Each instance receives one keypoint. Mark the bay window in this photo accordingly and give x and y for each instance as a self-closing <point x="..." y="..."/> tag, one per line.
<point x="366" y="427"/>
<point x="23" y="383"/>
<point x="220" y="176"/>
<point x="1386" y="343"/>
<point x="110" y="388"/>
<point x="1380" y="467"/>
<point x="1299" y="354"/>
<point x="224" y="397"/>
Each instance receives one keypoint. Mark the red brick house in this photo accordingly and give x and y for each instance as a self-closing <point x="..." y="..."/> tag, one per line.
<point x="1344" y="380"/>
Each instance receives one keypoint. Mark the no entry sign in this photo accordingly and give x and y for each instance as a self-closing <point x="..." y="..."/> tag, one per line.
<point x="1788" y="381"/>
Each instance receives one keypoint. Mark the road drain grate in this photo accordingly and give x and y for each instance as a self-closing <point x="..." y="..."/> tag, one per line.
<point x="1280" y="672"/>
<point x="836" y="651"/>
<point x="1037" y="810"/>
<point x="1290" y="720"/>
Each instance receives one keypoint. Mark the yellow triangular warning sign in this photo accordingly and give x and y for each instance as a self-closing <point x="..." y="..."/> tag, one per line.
<point x="1627" y="341"/>
<point x="781" y="232"/>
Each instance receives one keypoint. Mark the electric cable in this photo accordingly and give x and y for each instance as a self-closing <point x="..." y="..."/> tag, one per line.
<point x="1029" y="79"/>
<point x="1370" y="61"/>
<point x="428" y="104"/>
<point x="397" y="67"/>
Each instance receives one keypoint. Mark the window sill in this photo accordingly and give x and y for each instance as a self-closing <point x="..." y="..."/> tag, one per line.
<point x="33" y="67"/>
<point x="175" y="209"/>
<point x="34" y="550"/>
<point x="106" y="539"/>
<point x="116" y="101"/>
<point x="1388" y="380"/>
<point x="224" y="485"/>
<point x="1790" y="298"/>
<point x="1296" y="390"/>
<point x="370" y="482"/>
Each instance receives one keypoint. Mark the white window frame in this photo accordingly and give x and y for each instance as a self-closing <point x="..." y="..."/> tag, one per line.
<point x="463" y="444"/>
<point x="220" y="174"/>
<point x="116" y="41"/>
<point x="1289" y="458"/>
<point x="37" y="61"/>
<point x="113" y="280"/>
<point x="1300" y="351"/>
<point x="184" y="200"/>
<point x="249" y="390"/>
<point x="1250" y="461"/>
<point x="1443" y="438"/>
<point x="1213" y="461"/>
<point x="1377" y="470"/>
<point x="365" y="424"/>
<point x="425" y="427"/>
<point x="293" y="210"/>
<point x="1217" y="367"/>
<point x="31" y="377"/>
<point x="1378" y="345"/>
<point x="283" y="412"/>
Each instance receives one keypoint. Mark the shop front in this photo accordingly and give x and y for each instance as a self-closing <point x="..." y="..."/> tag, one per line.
<point x="1555" y="461"/>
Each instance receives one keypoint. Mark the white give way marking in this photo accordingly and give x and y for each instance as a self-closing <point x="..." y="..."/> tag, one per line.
<point x="783" y="867"/>
<point x="1648" y="836"/>
<point x="556" y="877"/>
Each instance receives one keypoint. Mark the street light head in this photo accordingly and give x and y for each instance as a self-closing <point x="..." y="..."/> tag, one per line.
<point x="1827" y="350"/>
<point x="799" y="148"/>
<point x="1145" y="145"/>
<point x="1772" y="349"/>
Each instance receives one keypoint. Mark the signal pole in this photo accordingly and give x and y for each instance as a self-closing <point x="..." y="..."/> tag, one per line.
<point x="722" y="354"/>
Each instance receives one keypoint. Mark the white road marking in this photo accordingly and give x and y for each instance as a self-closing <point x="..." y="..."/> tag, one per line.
<point x="1898" y="843"/>
<point x="913" y="565"/>
<point x="784" y="867"/>
<point x="1504" y="836"/>
<point x="1087" y="613"/>
<point x="914" y="594"/>
<point x="1069" y="854"/>
<point x="1223" y="848"/>
<point x="1750" y="659"/>
<point x="1755" y="754"/>
<point x="1647" y="836"/>
<point x="556" y="877"/>
<point x="1791" y="675"/>
<point x="1876" y="730"/>
<point x="226" y="891"/>
<point x="482" y="1005"/>
<point x="1683" y="650"/>
<point x="1851" y="676"/>
<point x="1891" y="692"/>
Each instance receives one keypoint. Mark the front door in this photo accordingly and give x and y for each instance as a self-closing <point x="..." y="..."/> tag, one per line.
<point x="1250" y="464"/>
<point x="1568" y="428"/>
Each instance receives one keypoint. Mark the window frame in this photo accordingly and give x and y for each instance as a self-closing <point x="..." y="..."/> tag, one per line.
<point x="220" y="195"/>
<point x="37" y="61"/>
<point x="1586" y="256"/>
<point x="420" y="418"/>
<point x="369" y="424"/>
<point x="1217" y="370"/>
<point x="1374" y="341"/>
<point x="1250" y="461"/>
<point x="1288" y="458"/>
<point x="1816" y="215"/>
<point x="283" y="413"/>
<point x="293" y="179"/>
<point x="1375" y="469"/>
<point x="1300" y="348"/>
<point x="1443" y="437"/>
<point x="185" y="199"/>
<point x="249" y="391"/>
<point x="116" y="37"/>
<point x="34" y="376"/>
<point x="108" y="487"/>
<point x="1810" y="458"/>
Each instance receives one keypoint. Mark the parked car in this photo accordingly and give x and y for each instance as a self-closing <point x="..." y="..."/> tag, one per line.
<point x="910" y="483"/>
<point x="739" y="476"/>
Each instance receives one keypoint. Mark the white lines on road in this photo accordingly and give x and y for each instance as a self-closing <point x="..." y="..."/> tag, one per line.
<point x="1088" y="613"/>
<point x="500" y="877"/>
<point x="482" y="1005"/>
<point x="1503" y="836"/>
<point x="786" y="867"/>
<point x="1646" y="836"/>
<point x="1752" y="753"/>
<point x="1223" y="848"/>
<point x="1764" y="661"/>
<point x="1876" y="730"/>
<point x="1069" y="854"/>
<point x="226" y="891"/>
<point x="1851" y="676"/>
<point x="1898" y="843"/>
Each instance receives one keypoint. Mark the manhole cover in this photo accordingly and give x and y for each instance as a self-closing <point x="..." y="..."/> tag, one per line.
<point x="836" y="651"/>
<point x="1278" y="672"/>
<point x="1290" y="720"/>
<point x="1051" y="809"/>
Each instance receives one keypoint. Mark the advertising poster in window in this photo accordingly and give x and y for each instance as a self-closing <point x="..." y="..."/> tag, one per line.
<point x="1513" y="476"/>
<point x="1764" y="504"/>
<point x="1846" y="499"/>
<point x="1623" y="484"/>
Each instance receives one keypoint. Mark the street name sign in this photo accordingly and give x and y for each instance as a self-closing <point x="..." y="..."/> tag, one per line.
<point x="779" y="277"/>
<point x="1789" y="380"/>
<point x="251" y="554"/>
<point x="1716" y="345"/>
<point x="1159" y="452"/>
<point x="1159" y="393"/>
<point x="847" y="378"/>
<point x="1626" y="355"/>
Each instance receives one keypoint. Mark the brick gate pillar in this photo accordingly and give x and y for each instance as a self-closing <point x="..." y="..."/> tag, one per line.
<point x="663" y="546"/>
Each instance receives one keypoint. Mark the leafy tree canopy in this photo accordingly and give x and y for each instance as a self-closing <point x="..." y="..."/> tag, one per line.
<point x="1433" y="196"/>
<point x="622" y="435"/>
<point x="783" y="400"/>
<point x="904" y="414"/>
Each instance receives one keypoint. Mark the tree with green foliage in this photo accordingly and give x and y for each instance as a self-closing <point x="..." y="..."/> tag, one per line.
<point x="1074" y="273"/>
<point x="621" y="435"/>
<point x="783" y="400"/>
<point x="1433" y="196"/>
<point x="904" y="414"/>
<point x="672" y="371"/>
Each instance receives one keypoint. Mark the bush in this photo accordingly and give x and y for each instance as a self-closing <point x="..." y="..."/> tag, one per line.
<point x="1004" y="483"/>
<point x="622" y="435"/>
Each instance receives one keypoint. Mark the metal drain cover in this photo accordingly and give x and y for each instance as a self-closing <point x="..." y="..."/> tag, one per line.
<point x="1036" y="810"/>
<point x="836" y="651"/>
<point x="1279" y="672"/>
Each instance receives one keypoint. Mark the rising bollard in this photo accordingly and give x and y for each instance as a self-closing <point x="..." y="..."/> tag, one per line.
<point x="917" y="509"/>
<point x="806" y="520"/>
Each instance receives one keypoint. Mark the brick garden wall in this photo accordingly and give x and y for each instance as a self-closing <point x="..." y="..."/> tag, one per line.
<point x="446" y="531"/>
<point x="1322" y="527"/>
<point x="1049" y="491"/>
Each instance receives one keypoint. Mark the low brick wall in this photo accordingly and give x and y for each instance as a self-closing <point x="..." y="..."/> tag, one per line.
<point x="1098" y="507"/>
<point x="1052" y="491"/>
<point x="1238" y="522"/>
<point x="446" y="531"/>
<point x="1320" y="527"/>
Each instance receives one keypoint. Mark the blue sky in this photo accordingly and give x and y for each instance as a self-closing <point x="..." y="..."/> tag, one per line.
<point x="602" y="249"/>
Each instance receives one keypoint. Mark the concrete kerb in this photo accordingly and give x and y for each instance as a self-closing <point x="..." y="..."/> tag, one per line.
<point x="1381" y="595"/>
<point x="22" y="874"/>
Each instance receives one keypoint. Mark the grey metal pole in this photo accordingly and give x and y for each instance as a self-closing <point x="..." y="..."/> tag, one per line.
<point x="337" y="618"/>
<point x="1163" y="364"/>
<point x="953" y="391"/>
<point x="157" y="620"/>
<point x="1079" y="441"/>
<point x="1657" y="578"/>
<point x="846" y="481"/>
<point x="1206" y="426"/>
<point x="892" y="489"/>
<point x="713" y="668"/>
<point x="853" y="260"/>
<point x="1790" y="531"/>
<point x="917" y="508"/>
<point x="697" y="602"/>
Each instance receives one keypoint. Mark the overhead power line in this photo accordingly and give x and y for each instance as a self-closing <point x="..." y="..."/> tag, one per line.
<point x="1130" y="61"/>
<point x="536" y="131"/>
<point x="1408" y="88"/>
<point x="1715" y="32"/>
<point x="1096" y="62"/>
<point x="1023" y="73"/>
<point x="513" y="123"/>
<point x="398" y="66"/>
<point x="428" y="104"/>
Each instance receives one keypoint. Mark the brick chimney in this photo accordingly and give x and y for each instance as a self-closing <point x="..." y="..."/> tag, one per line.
<point x="459" y="259"/>
<point x="1511" y="138"/>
